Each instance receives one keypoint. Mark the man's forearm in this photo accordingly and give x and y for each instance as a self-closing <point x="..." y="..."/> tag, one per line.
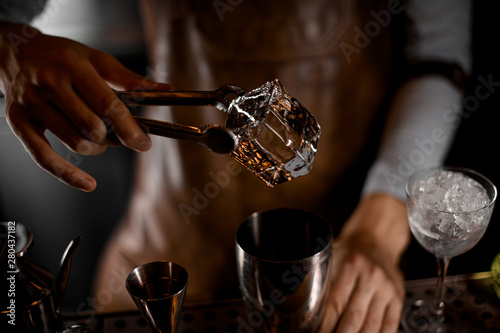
<point x="380" y="224"/>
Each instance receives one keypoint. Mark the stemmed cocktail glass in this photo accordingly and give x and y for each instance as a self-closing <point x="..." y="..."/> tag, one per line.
<point x="449" y="209"/>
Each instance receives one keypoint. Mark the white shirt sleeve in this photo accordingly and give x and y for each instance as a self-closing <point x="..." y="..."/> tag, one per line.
<point x="425" y="110"/>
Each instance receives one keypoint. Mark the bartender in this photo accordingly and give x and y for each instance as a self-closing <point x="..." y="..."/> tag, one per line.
<point x="336" y="57"/>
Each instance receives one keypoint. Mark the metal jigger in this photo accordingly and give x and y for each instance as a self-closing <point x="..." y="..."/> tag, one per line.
<point x="158" y="289"/>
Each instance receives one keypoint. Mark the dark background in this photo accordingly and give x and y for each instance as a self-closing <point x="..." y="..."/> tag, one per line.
<point x="56" y="213"/>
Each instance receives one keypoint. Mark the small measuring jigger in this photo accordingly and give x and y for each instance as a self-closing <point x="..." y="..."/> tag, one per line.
<point x="158" y="289"/>
<point x="215" y="137"/>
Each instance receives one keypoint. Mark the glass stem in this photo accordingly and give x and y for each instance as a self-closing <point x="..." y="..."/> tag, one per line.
<point x="443" y="264"/>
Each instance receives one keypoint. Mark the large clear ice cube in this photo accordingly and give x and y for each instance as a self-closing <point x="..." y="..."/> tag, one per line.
<point x="278" y="137"/>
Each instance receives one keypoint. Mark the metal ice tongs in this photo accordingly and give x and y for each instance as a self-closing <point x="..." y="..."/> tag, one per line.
<point x="215" y="137"/>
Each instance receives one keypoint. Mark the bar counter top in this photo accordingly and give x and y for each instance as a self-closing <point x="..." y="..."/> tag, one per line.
<point x="472" y="296"/>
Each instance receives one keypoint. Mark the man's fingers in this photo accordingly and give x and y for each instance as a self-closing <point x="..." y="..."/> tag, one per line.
<point x="354" y="314"/>
<point x="121" y="78"/>
<point x="363" y="297"/>
<point x="42" y="153"/>
<point x="392" y="317"/>
<point x="65" y="88"/>
<point x="56" y="122"/>
<point x="368" y="306"/>
<point x="375" y="313"/>
<point x="339" y="293"/>
<point x="110" y="109"/>
<point x="88" y="123"/>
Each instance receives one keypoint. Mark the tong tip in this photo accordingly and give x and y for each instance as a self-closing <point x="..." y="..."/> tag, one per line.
<point x="219" y="139"/>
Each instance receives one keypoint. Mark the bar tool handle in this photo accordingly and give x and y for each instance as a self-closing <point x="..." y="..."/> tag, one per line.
<point x="220" y="98"/>
<point x="216" y="138"/>
<point x="169" y="130"/>
<point x="193" y="98"/>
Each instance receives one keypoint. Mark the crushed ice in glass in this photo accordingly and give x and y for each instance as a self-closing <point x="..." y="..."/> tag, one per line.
<point x="452" y="192"/>
<point x="278" y="137"/>
<point x="457" y="201"/>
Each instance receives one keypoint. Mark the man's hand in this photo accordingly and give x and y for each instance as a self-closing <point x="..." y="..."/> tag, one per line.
<point x="367" y="288"/>
<point x="56" y="84"/>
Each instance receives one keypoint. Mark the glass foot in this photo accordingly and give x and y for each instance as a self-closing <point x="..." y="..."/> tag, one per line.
<point x="424" y="316"/>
